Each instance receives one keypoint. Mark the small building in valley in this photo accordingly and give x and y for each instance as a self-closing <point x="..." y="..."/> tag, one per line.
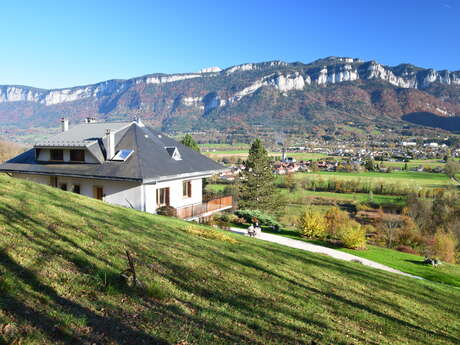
<point x="122" y="163"/>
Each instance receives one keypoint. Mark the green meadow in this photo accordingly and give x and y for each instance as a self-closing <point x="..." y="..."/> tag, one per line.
<point x="62" y="255"/>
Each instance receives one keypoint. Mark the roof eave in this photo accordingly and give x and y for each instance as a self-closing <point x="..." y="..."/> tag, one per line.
<point x="113" y="178"/>
<point x="63" y="145"/>
<point x="183" y="176"/>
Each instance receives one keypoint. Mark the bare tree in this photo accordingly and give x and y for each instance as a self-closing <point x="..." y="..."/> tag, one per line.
<point x="389" y="225"/>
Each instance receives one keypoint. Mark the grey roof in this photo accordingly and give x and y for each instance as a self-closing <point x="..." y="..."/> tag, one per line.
<point x="149" y="163"/>
<point x="82" y="135"/>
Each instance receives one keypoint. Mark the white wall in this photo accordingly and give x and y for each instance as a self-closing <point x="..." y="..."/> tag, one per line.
<point x="44" y="155"/>
<point x="128" y="193"/>
<point x="116" y="192"/>
<point x="35" y="178"/>
<point x="175" y="194"/>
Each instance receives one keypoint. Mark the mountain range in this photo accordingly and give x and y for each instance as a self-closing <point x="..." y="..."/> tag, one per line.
<point x="273" y="96"/>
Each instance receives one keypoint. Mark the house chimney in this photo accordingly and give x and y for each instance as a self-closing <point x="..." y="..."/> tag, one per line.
<point x="138" y="121"/>
<point x="110" y="144"/>
<point x="64" y="124"/>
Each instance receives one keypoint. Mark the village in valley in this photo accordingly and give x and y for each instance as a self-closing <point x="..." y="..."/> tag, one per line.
<point x="348" y="156"/>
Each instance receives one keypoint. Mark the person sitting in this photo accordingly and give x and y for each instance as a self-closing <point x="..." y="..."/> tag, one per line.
<point x="257" y="230"/>
<point x="251" y="231"/>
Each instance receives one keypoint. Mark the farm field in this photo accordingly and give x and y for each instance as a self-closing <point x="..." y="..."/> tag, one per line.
<point x="359" y="197"/>
<point x="431" y="163"/>
<point x="422" y="179"/>
<point x="223" y="147"/>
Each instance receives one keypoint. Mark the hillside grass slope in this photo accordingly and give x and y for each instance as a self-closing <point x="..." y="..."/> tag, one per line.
<point x="61" y="256"/>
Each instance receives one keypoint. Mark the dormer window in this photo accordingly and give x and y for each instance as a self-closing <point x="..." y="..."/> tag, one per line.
<point x="174" y="153"/>
<point x="56" y="155"/>
<point x="77" y="155"/>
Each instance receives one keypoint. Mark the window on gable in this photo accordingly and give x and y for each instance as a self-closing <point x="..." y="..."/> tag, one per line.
<point x="77" y="155"/>
<point x="187" y="189"/>
<point x="56" y="155"/>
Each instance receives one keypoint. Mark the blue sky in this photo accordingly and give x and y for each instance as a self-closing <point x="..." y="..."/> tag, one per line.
<point x="53" y="44"/>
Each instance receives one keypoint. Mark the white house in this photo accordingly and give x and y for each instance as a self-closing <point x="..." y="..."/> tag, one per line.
<point x="122" y="163"/>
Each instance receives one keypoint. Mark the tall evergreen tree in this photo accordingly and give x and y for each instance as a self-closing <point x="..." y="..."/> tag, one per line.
<point x="369" y="164"/>
<point x="190" y="142"/>
<point x="256" y="188"/>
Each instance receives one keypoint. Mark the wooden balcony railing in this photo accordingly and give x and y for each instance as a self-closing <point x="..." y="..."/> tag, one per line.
<point x="205" y="208"/>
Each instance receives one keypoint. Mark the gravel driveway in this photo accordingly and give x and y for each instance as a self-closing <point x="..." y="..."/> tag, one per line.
<point x="309" y="247"/>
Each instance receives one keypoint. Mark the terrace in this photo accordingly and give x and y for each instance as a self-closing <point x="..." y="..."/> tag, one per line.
<point x="205" y="209"/>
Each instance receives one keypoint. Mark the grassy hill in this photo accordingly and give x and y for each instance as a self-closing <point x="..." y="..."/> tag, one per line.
<point x="61" y="255"/>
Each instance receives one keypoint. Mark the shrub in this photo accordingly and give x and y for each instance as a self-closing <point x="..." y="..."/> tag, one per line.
<point x="240" y="220"/>
<point x="444" y="246"/>
<point x="209" y="234"/>
<point x="224" y="220"/>
<point x="334" y="219"/>
<point x="409" y="235"/>
<point x="312" y="224"/>
<point x="353" y="235"/>
<point x="166" y="211"/>
<point x="226" y="217"/>
<point x="256" y="215"/>
<point x="406" y="249"/>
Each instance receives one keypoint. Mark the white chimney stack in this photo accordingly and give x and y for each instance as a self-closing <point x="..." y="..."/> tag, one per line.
<point x="138" y="121"/>
<point x="64" y="124"/>
<point x="110" y="147"/>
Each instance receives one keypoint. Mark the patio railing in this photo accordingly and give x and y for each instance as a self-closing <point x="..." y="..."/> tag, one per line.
<point x="206" y="208"/>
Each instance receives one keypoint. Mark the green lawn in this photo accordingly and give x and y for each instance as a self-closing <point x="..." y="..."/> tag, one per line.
<point x="409" y="263"/>
<point x="445" y="273"/>
<point x="61" y="256"/>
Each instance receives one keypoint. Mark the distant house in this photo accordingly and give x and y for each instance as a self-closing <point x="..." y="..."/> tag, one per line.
<point x="122" y="163"/>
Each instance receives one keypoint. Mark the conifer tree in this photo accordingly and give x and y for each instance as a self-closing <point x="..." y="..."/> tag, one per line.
<point x="190" y="142"/>
<point x="369" y="164"/>
<point x="256" y="188"/>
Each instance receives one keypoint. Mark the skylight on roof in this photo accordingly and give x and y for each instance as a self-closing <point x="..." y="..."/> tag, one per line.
<point x="122" y="155"/>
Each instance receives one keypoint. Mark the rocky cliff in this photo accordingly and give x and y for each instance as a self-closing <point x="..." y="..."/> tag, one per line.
<point x="315" y="90"/>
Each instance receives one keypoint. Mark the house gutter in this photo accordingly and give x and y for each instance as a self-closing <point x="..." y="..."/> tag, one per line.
<point x="71" y="175"/>
<point x="182" y="176"/>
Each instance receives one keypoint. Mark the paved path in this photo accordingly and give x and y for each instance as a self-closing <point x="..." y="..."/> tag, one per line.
<point x="309" y="247"/>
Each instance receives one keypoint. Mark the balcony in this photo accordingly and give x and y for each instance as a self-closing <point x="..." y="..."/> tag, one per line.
<point x="205" y="209"/>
